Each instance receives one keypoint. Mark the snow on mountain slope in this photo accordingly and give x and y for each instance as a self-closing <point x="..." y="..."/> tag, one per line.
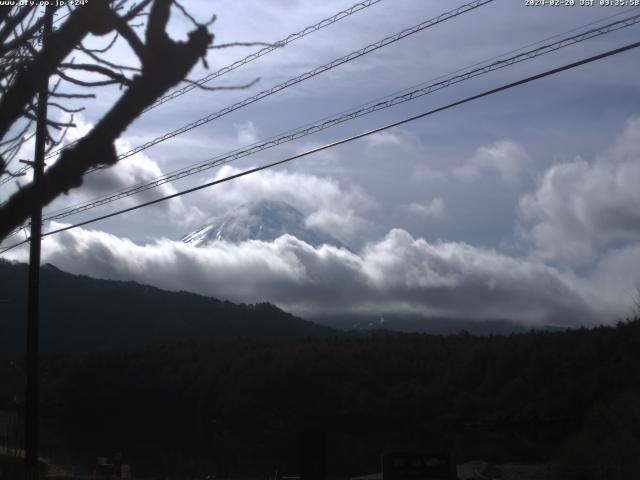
<point x="265" y="220"/>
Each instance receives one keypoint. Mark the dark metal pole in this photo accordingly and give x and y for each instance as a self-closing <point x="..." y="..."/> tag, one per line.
<point x="33" y="296"/>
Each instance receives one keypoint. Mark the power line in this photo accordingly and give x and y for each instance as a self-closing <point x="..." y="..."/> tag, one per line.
<point x="295" y="80"/>
<point x="505" y="54"/>
<point x="487" y="93"/>
<point x="237" y="64"/>
<point x="309" y="74"/>
<point x="357" y="112"/>
<point x="353" y="55"/>
<point x="278" y="44"/>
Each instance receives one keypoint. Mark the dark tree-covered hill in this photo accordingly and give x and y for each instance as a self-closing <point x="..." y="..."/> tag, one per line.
<point x="570" y="398"/>
<point x="80" y="313"/>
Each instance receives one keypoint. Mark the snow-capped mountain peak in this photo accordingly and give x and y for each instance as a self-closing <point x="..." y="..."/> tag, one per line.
<point x="265" y="220"/>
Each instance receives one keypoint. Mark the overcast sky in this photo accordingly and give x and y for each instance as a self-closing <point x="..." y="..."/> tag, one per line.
<point x="522" y="205"/>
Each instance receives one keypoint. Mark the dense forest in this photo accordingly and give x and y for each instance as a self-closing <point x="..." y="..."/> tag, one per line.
<point x="570" y="398"/>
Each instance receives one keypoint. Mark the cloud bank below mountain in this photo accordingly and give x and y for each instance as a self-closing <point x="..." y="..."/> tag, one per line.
<point x="396" y="274"/>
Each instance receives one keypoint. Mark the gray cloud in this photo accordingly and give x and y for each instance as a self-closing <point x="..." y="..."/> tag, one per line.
<point x="128" y="172"/>
<point x="395" y="274"/>
<point x="581" y="205"/>
<point x="432" y="209"/>
<point x="616" y="279"/>
<point x="330" y="205"/>
<point x="247" y="132"/>
<point x="505" y="158"/>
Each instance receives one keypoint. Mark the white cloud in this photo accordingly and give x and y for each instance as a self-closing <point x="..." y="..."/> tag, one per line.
<point x="506" y="158"/>
<point x="433" y="209"/>
<point x="616" y="279"/>
<point x="394" y="143"/>
<point x="330" y="206"/>
<point x="82" y="127"/>
<point x="389" y="138"/>
<point x="396" y="274"/>
<point x="127" y="173"/>
<point x="247" y="133"/>
<point x="345" y="223"/>
<point x="580" y="205"/>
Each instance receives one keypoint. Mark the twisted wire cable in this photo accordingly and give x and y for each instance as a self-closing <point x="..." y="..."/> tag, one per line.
<point x="249" y="58"/>
<point x="250" y="171"/>
<point x="307" y="75"/>
<point x="344" y="117"/>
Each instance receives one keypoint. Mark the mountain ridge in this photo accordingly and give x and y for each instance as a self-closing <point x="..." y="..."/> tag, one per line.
<point x="81" y="313"/>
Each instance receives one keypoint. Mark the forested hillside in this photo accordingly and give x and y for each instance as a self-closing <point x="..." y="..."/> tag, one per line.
<point x="80" y="314"/>
<point x="567" y="397"/>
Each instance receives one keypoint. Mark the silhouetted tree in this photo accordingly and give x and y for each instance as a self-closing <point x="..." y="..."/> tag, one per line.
<point x="24" y="61"/>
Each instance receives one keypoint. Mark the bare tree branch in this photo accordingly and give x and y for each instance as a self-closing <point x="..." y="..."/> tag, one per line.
<point x="136" y="10"/>
<point x="55" y="143"/>
<point x="4" y="13"/>
<point x="101" y="50"/>
<point x="72" y="95"/>
<point x="88" y="67"/>
<point x="51" y="123"/>
<point x="186" y="13"/>
<point x="129" y="35"/>
<point x="60" y="44"/>
<point x="13" y="21"/>
<point x="98" y="59"/>
<point x="66" y="109"/>
<point x="165" y="63"/>
<point x="23" y="38"/>
<point x="17" y="137"/>
<point x="83" y="83"/>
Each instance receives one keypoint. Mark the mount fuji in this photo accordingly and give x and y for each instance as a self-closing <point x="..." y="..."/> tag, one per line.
<point x="265" y="220"/>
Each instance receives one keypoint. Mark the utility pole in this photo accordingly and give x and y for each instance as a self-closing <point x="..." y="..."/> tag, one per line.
<point x="33" y="295"/>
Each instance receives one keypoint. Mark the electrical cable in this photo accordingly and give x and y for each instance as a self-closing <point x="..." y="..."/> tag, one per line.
<point x="328" y="122"/>
<point x="253" y="56"/>
<point x="467" y="7"/>
<point x="487" y="93"/>
<point x="249" y="58"/>
<point x="290" y="82"/>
